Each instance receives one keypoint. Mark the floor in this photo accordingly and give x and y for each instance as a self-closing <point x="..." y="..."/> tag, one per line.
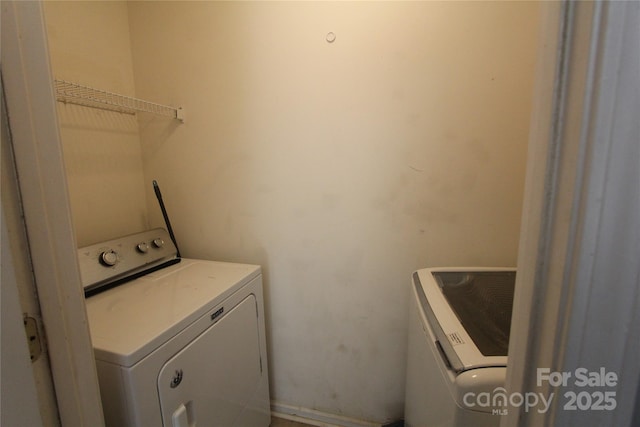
<point x="281" y="422"/>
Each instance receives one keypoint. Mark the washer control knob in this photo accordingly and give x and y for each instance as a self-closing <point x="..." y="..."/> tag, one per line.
<point x="142" y="247"/>
<point x="108" y="258"/>
<point x="158" y="243"/>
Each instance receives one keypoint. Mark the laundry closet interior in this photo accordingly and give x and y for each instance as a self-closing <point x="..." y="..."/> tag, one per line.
<point x="340" y="146"/>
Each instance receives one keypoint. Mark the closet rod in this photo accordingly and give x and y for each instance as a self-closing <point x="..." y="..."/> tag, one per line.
<point x="87" y="96"/>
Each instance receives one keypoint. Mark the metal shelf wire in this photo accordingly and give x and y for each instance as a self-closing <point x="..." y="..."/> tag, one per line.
<point x="87" y="96"/>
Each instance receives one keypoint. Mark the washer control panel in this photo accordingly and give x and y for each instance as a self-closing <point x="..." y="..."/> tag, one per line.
<point x="111" y="260"/>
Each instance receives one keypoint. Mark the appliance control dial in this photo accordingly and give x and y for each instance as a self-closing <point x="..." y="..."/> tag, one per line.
<point x="108" y="258"/>
<point x="142" y="247"/>
<point x="158" y="242"/>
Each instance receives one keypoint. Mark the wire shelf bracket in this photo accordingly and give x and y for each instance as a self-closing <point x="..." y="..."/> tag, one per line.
<point x="74" y="93"/>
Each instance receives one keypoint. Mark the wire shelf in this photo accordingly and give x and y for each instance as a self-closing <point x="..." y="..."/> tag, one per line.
<point x="87" y="96"/>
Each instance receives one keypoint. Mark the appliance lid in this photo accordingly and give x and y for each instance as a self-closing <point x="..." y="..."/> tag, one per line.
<point x="469" y="310"/>
<point x="483" y="301"/>
<point x="132" y="320"/>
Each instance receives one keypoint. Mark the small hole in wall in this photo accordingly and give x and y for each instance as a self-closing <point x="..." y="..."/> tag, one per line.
<point x="331" y="37"/>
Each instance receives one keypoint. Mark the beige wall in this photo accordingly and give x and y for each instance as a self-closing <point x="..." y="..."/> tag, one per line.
<point x="339" y="167"/>
<point x="89" y="44"/>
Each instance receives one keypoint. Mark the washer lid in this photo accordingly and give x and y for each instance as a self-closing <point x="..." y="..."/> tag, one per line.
<point x="469" y="310"/>
<point x="132" y="320"/>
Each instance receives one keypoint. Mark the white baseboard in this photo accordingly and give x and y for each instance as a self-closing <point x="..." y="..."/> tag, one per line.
<point x="315" y="418"/>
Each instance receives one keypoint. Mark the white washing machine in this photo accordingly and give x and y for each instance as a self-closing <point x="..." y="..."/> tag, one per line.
<point x="459" y="323"/>
<point x="178" y="342"/>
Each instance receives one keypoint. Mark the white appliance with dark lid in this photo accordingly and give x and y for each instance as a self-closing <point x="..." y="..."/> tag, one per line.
<point x="178" y="342"/>
<point x="459" y="324"/>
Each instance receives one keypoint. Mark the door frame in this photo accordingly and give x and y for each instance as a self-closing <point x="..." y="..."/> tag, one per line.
<point x="42" y="181"/>
<point x="578" y="285"/>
